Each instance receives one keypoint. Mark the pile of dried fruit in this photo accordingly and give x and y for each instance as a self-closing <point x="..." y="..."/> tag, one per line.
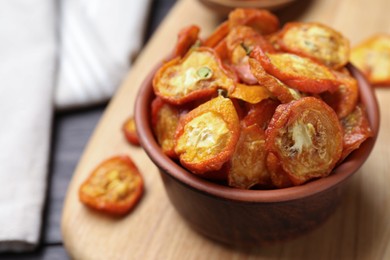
<point x="258" y="106"/>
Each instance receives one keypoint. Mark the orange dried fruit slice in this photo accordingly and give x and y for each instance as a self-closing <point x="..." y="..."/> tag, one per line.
<point x="114" y="187"/>
<point x="240" y="41"/>
<point x="273" y="39"/>
<point x="165" y="119"/>
<point x="372" y="57"/>
<point x="197" y="75"/>
<point x="251" y="94"/>
<point x="278" y="89"/>
<point x="344" y="99"/>
<point x="248" y="165"/>
<point x="222" y="51"/>
<point x="279" y="177"/>
<point x="261" y="20"/>
<point x="298" y="135"/>
<point x="316" y="41"/>
<point x="217" y="36"/>
<point x="260" y="113"/>
<point x="298" y="72"/>
<point x="356" y="130"/>
<point x="187" y="37"/>
<point x="247" y="38"/>
<point x="130" y="131"/>
<point x="207" y="135"/>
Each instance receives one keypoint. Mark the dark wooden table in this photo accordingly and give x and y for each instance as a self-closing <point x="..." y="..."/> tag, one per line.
<point x="71" y="131"/>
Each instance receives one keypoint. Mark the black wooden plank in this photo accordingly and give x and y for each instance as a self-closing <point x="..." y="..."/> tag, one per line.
<point x="158" y="10"/>
<point x="70" y="134"/>
<point x="47" y="252"/>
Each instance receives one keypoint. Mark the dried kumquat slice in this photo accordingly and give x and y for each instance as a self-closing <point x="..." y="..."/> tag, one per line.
<point x="222" y="51"/>
<point x="356" y="130"/>
<point x="130" y="131"/>
<point x="114" y="187"/>
<point x="344" y="99"/>
<point x="165" y="119"/>
<point x="273" y="39"/>
<point x="207" y="135"/>
<point x="250" y="94"/>
<point x="278" y="89"/>
<point x="260" y="113"/>
<point x="261" y="20"/>
<point x="236" y="40"/>
<point x="317" y="41"/>
<point x="217" y="36"/>
<point x="240" y="64"/>
<point x="187" y="37"/>
<point x="372" y="57"/>
<point x="246" y="37"/>
<point x="298" y="135"/>
<point x="279" y="177"/>
<point x="298" y="72"/>
<point x="197" y="75"/>
<point x="240" y="41"/>
<point x="247" y="165"/>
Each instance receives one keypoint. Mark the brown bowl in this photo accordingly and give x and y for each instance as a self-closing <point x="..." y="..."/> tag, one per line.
<point x="223" y="7"/>
<point x="252" y="217"/>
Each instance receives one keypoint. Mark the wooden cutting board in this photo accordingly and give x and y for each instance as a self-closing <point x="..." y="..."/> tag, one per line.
<point x="360" y="228"/>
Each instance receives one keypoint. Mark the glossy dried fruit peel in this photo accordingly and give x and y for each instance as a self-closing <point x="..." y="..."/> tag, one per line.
<point x="316" y="41"/>
<point x="298" y="72"/>
<point x="356" y="130"/>
<point x="262" y="21"/>
<point x="197" y="75"/>
<point x="239" y="42"/>
<point x="250" y="94"/>
<point x="279" y="177"/>
<point x="372" y="57"/>
<point x="278" y="89"/>
<point x="165" y="119"/>
<point x="206" y="136"/>
<point x="248" y="165"/>
<point x="114" y="186"/>
<point x="345" y="98"/>
<point x="260" y="113"/>
<point x="217" y="36"/>
<point x="130" y="131"/>
<point x="186" y="38"/>
<point x="245" y="39"/>
<point x="298" y="135"/>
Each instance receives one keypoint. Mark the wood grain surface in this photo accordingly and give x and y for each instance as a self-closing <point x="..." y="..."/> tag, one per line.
<point x="358" y="230"/>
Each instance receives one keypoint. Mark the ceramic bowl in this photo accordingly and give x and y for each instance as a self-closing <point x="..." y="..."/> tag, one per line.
<point x="252" y="217"/>
<point x="223" y="7"/>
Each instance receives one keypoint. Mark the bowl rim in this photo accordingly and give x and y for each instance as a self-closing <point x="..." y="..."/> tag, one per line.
<point x="342" y="172"/>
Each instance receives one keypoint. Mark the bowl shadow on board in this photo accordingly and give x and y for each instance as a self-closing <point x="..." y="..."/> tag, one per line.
<point x="247" y="218"/>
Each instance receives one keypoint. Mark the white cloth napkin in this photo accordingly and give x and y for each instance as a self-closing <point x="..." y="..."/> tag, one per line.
<point x="99" y="38"/>
<point x="37" y="69"/>
<point x="27" y="67"/>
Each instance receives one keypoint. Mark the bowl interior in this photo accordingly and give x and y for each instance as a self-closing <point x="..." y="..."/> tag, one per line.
<point x="350" y="165"/>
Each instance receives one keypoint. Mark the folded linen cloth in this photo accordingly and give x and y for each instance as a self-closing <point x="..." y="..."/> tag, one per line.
<point x="27" y="71"/>
<point x="99" y="38"/>
<point x="38" y="71"/>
